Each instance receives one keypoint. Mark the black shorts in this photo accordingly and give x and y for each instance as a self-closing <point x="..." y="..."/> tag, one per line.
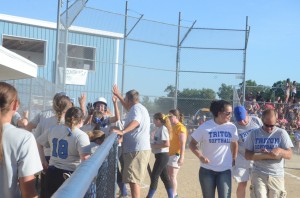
<point x="54" y="179"/>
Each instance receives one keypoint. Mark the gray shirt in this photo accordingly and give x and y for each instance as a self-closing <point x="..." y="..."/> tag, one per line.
<point x="243" y="132"/>
<point x="161" y="134"/>
<point x="21" y="158"/>
<point x="65" y="147"/>
<point x="42" y="116"/>
<point x="43" y="126"/>
<point x="259" y="139"/>
<point x="139" y="138"/>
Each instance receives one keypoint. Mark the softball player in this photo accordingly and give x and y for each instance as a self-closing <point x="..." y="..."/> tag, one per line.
<point x="61" y="104"/>
<point x="19" y="159"/>
<point x="69" y="146"/>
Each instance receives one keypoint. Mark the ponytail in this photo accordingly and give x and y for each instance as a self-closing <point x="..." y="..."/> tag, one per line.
<point x="73" y="117"/>
<point x="61" y="104"/>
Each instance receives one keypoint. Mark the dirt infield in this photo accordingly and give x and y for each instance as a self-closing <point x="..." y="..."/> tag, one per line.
<point x="189" y="187"/>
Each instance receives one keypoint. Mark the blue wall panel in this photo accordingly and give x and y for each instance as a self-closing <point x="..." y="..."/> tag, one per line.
<point x="99" y="82"/>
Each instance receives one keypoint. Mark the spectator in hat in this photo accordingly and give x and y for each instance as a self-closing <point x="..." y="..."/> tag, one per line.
<point x="241" y="171"/>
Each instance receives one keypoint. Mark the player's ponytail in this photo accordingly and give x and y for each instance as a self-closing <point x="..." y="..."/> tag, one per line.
<point x="60" y="105"/>
<point x="8" y="94"/>
<point x="73" y="117"/>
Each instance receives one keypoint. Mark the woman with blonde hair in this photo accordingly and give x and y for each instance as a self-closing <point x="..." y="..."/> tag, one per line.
<point x="19" y="158"/>
<point x="177" y="147"/>
<point x="160" y="147"/>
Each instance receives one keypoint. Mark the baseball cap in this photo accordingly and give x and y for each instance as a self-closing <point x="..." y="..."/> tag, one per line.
<point x="240" y="113"/>
<point x="100" y="100"/>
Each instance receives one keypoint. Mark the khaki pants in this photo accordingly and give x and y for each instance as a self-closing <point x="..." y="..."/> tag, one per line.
<point x="264" y="186"/>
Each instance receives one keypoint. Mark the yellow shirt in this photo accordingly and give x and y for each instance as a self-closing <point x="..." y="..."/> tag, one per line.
<point x="174" y="138"/>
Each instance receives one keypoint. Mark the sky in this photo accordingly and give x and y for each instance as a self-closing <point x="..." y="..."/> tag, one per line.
<point x="273" y="49"/>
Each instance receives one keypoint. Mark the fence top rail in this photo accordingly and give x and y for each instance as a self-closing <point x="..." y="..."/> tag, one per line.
<point x="88" y="169"/>
<point x="169" y="24"/>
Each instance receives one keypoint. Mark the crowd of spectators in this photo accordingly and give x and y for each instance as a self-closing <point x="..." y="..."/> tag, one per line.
<point x="288" y="113"/>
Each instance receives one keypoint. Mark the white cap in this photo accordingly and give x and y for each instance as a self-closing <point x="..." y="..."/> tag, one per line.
<point x="101" y="100"/>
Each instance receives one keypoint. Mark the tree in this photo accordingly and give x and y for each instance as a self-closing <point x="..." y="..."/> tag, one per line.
<point x="225" y="92"/>
<point x="278" y="89"/>
<point x="170" y="90"/>
<point x="190" y="100"/>
<point x="148" y="104"/>
<point x="254" y="88"/>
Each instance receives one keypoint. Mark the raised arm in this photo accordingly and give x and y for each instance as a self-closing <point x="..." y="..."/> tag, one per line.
<point x="82" y="101"/>
<point x="117" y="112"/>
<point x="117" y="93"/>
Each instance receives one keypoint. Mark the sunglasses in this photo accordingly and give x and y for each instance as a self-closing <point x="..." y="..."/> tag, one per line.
<point x="227" y="113"/>
<point x="269" y="125"/>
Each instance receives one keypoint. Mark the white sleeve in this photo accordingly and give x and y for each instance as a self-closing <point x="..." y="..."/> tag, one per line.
<point x="137" y="115"/>
<point x="198" y="134"/>
<point x="165" y="134"/>
<point x="83" y="144"/>
<point x="43" y="139"/>
<point x="38" y="130"/>
<point x="235" y="136"/>
<point x="29" y="161"/>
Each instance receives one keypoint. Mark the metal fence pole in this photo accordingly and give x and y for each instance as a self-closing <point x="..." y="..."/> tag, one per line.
<point x="124" y="53"/>
<point x="177" y="62"/>
<point x="244" y="62"/>
<point x="57" y="38"/>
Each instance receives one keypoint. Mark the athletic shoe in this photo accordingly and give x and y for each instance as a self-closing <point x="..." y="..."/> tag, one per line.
<point x="66" y="176"/>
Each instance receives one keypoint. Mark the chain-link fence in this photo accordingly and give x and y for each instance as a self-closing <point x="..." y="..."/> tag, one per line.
<point x="35" y="94"/>
<point x="172" y="65"/>
<point x="180" y="65"/>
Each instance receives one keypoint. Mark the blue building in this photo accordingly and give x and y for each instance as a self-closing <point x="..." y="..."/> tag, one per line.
<point x="92" y="63"/>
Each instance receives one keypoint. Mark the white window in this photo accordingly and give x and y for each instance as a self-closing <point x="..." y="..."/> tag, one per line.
<point x="32" y="49"/>
<point x="80" y="57"/>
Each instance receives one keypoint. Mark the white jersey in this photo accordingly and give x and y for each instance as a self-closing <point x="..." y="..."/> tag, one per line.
<point x="161" y="134"/>
<point x="43" y="126"/>
<point x="66" y="146"/>
<point x="215" y="141"/>
<point x="243" y="132"/>
<point x="21" y="158"/>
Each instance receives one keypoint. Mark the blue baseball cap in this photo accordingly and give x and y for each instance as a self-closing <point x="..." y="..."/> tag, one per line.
<point x="240" y="113"/>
